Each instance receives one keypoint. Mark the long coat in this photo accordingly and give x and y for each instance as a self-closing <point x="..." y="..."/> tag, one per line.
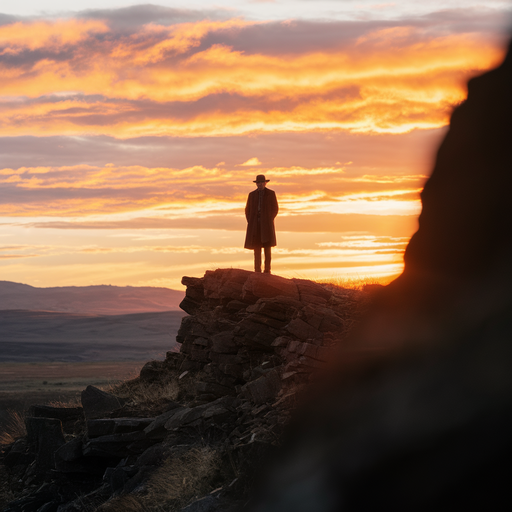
<point x="269" y="209"/>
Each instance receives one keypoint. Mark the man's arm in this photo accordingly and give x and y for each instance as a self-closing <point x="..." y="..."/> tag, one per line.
<point x="275" y="206"/>
<point x="247" y="207"/>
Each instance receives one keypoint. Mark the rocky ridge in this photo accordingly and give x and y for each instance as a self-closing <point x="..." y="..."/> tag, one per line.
<point x="250" y="345"/>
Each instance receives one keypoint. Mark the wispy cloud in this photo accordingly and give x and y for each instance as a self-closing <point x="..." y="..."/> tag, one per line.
<point x="251" y="162"/>
<point x="196" y="191"/>
<point x="228" y="77"/>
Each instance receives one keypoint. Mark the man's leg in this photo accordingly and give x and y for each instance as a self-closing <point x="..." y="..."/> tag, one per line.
<point x="257" y="259"/>
<point x="268" y="259"/>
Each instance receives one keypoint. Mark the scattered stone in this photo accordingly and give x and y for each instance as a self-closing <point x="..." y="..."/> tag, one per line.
<point x="98" y="403"/>
<point x="194" y="296"/>
<point x="156" y="429"/>
<point x="115" y="445"/>
<point x="63" y="414"/>
<point x="18" y="454"/>
<point x="154" y="455"/>
<point x="225" y="284"/>
<point x="236" y="305"/>
<point x="70" y="451"/>
<point x="224" y="343"/>
<point x="103" y="427"/>
<point x="263" y="389"/>
<point x="45" y="435"/>
<point x="269" y="285"/>
<point x="152" y="371"/>
<point x="302" y="330"/>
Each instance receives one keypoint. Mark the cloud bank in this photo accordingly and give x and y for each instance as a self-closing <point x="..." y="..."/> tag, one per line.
<point x="168" y="77"/>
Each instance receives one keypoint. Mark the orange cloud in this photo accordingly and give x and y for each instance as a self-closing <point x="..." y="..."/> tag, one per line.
<point x="18" y="37"/>
<point x="199" y="191"/>
<point x="251" y="162"/>
<point x="78" y="77"/>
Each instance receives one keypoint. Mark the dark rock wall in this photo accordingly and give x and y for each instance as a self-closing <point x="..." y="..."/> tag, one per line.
<point x="466" y="220"/>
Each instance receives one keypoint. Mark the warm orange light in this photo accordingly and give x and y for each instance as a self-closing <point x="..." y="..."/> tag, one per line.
<point x="380" y="84"/>
<point x="201" y="191"/>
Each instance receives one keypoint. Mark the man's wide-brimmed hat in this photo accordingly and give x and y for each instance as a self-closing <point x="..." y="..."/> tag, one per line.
<point x="260" y="178"/>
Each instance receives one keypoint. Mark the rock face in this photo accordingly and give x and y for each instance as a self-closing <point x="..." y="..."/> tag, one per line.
<point x="251" y="345"/>
<point x="457" y="265"/>
<point x="246" y="325"/>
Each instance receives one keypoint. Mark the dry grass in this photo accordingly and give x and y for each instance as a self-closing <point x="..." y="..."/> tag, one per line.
<point x="14" y="428"/>
<point x="355" y="283"/>
<point x="180" y="480"/>
<point x="138" y="392"/>
<point x="172" y="486"/>
<point x="71" y="403"/>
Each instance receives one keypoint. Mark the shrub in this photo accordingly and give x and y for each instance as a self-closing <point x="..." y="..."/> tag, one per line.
<point x="14" y="428"/>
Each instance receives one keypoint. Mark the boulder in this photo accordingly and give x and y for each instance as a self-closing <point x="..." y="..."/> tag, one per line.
<point x="256" y="335"/>
<point x="213" y="388"/>
<point x="18" y="454"/>
<point x="269" y="285"/>
<point x="194" y="295"/>
<point x="70" y="451"/>
<point x="156" y="429"/>
<point x="195" y="352"/>
<point x="280" y="308"/>
<point x="118" y="477"/>
<point x="303" y="330"/>
<point x="224" y="343"/>
<point x="154" y="455"/>
<point x="311" y="292"/>
<point x="225" y="284"/>
<point x="107" y="426"/>
<point x="45" y="435"/>
<point x="98" y="403"/>
<point x="63" y="414"/>
<point x="323" y="319"/>
<point x="152" y="371"/>
<point x="112" y="446"/>
<point x="264" y="389"/>
<point x="185" y="416"/>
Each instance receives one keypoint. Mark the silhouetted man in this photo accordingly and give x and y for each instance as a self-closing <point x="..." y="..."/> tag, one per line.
<point x="260" y="212"/>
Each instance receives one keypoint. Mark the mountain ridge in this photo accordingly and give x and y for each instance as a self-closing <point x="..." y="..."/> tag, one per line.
<point x="93" y="299"/>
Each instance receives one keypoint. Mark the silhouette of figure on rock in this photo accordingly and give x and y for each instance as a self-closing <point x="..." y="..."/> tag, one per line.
<point x="260" y="211"/>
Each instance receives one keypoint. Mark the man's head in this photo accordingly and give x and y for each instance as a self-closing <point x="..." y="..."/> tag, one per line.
<point x="261" y="182"/>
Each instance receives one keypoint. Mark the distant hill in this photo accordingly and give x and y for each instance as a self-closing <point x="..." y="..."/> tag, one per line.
<point x="96" y="300"/>
<point x="46" y="336"/>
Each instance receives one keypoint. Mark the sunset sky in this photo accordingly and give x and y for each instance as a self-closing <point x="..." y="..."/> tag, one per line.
<point x="130" y="134"/>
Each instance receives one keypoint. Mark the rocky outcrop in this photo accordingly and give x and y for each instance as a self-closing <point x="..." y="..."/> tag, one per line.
<point x="250" y="346"/>
<point x="251" y="332"/>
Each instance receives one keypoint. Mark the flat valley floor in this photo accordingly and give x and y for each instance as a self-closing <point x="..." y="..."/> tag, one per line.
<point x="51" y="357"/>
<point x="26" y="384"/>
